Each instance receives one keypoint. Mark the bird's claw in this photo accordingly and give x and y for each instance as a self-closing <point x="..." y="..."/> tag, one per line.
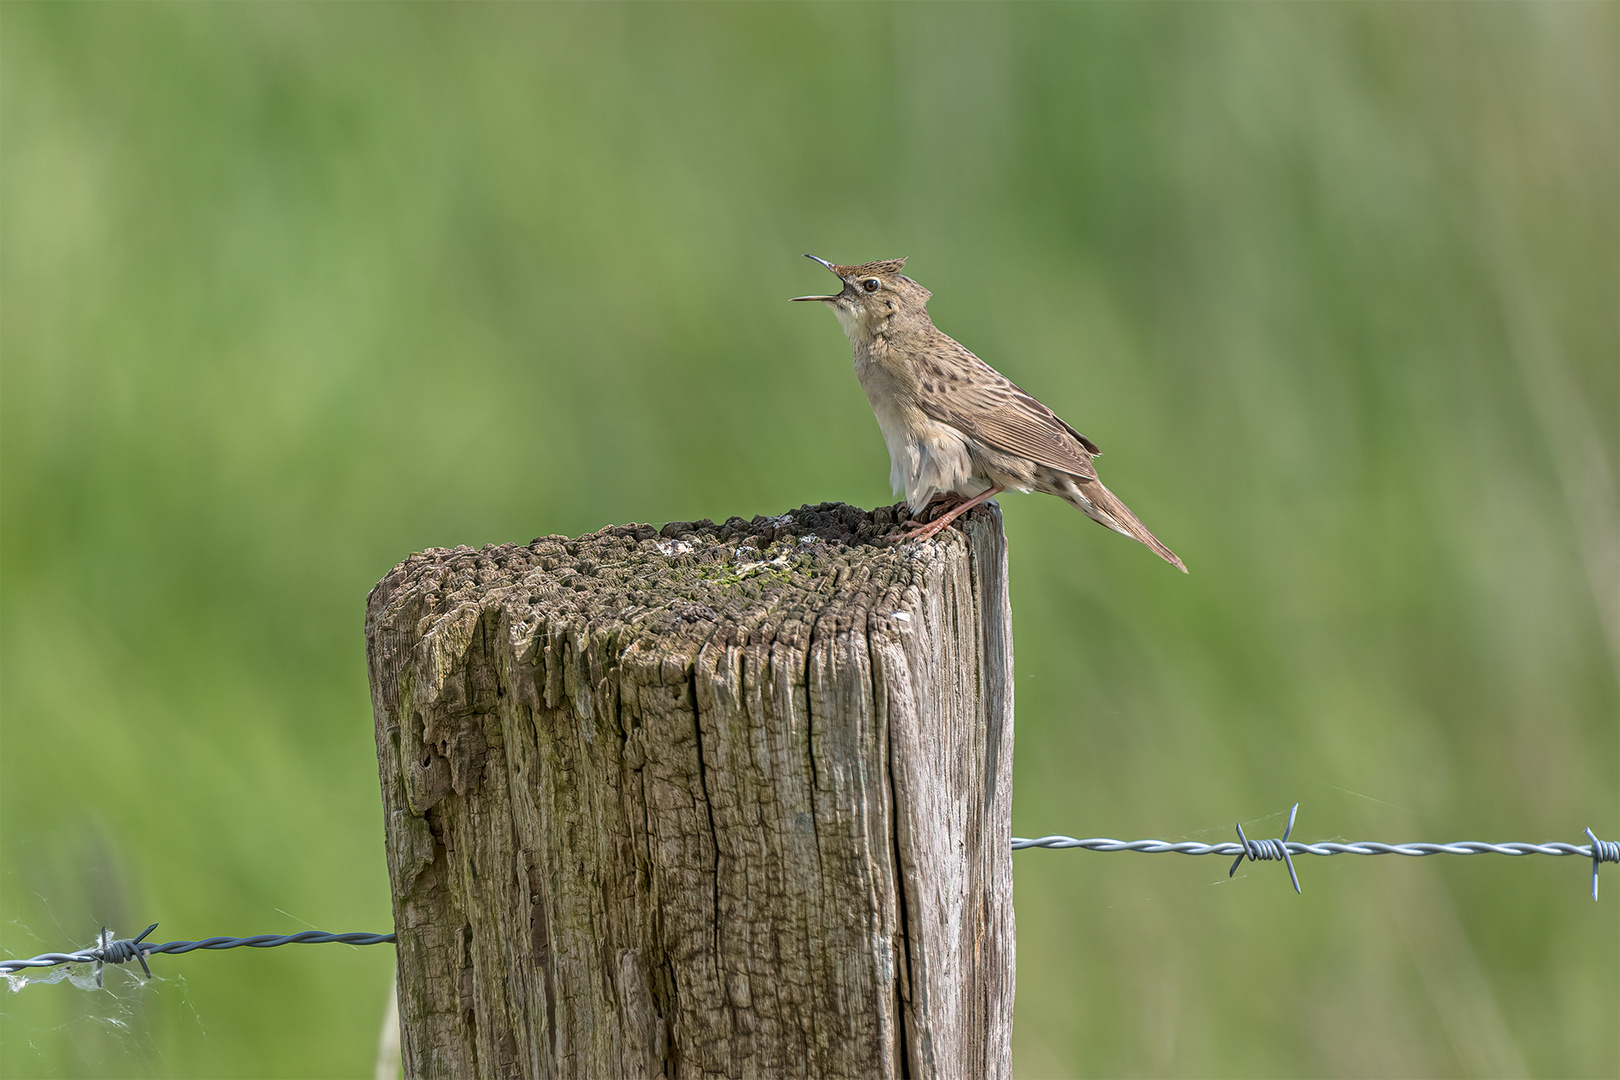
<point x="933" y="517"/>
<point x="922" y="530"/>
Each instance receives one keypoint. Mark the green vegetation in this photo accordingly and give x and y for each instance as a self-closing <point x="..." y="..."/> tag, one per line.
<point x="290" y="291"/>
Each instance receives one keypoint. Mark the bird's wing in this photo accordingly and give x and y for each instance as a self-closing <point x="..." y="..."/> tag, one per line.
<point x="984" y="404"/>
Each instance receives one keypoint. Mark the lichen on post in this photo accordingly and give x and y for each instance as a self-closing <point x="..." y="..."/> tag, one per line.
<point x="705" y="800"/>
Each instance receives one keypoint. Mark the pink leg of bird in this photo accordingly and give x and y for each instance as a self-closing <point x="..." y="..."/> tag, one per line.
<point x="923" y="532"/>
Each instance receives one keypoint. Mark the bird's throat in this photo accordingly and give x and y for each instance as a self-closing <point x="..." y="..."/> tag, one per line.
<point x="861" y="330"/>
<point x="854" y="328"/>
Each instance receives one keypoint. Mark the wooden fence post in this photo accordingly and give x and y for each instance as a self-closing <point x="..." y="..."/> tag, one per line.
<point x="711" y="800"/>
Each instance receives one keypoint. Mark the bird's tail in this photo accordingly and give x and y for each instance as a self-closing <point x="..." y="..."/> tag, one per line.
<point x="1103" y="507"/>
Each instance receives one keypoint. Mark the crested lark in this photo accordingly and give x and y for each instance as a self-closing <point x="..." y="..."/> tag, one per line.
<point x="955" y="426"/>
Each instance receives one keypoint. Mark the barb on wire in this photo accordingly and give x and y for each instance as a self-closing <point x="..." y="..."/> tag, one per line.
<point x="1261" y="850"/>
<point x="1599" y="851"/>
<point x="108" y="950"/>
<point x="1602" y="851"/>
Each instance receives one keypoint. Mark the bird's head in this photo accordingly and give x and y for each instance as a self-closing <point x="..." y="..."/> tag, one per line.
<point x="876" y="299"/>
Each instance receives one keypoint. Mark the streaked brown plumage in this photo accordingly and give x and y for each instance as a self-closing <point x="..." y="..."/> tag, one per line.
<point x="954" y="425"/>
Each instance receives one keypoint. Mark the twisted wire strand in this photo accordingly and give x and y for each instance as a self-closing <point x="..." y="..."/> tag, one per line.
<point x="108" y="950"/>
<point x="1599" y="851"/>
<point x="1297" y="847"/>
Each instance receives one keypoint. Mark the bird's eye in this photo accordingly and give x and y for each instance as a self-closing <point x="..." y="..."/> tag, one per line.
<point x="870" y="284"/>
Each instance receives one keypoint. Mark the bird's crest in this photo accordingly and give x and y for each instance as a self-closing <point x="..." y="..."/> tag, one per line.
<point x="887" y="266"/>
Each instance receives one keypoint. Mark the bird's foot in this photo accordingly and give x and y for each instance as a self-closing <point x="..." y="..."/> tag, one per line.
<point x="920" y="531"/>
<point x="928" y="523"/>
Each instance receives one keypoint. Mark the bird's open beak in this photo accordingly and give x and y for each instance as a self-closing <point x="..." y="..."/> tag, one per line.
<point x="829" y="266"/>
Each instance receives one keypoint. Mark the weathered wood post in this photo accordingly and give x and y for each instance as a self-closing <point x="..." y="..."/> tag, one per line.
<point x="711" y="800"/>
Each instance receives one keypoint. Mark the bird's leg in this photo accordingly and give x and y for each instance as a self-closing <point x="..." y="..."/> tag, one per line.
<point x="923" y="532"/>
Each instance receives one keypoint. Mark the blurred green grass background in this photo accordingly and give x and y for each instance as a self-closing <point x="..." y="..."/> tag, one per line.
<point x="290" y="291"/>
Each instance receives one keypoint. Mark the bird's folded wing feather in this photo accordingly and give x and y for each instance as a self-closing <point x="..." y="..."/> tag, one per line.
<point x="987" y="406"/>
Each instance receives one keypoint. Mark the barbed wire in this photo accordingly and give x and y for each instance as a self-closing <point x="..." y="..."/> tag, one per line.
<point x="1282" y="849"/>
<point x="109" y="950"/>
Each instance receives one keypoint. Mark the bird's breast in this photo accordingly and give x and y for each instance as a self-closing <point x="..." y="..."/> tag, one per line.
<point x="926" y="456"/>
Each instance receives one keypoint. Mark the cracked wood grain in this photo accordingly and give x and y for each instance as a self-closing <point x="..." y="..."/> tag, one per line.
<point x="712" y="800"/>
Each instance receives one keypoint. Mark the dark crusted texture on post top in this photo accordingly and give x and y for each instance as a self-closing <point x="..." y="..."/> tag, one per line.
<point x="705" y="800"/>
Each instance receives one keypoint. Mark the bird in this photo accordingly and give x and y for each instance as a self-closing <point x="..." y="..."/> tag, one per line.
<point x="958" y="431"/>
